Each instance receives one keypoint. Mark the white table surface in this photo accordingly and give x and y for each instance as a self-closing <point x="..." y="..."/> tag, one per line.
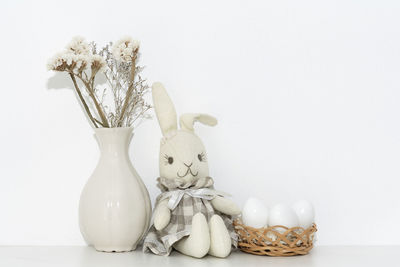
<point x="325" y="256"/>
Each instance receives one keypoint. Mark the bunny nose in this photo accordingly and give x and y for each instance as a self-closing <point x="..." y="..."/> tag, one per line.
<point x="188" y="165"/>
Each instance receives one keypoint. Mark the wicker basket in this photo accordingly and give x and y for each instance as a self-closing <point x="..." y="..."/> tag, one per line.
<point x="275" y="240"/>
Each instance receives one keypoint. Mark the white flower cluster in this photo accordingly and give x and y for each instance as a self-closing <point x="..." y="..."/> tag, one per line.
<point x="98" y="62"/>
<point x="125" y="49"/>
<point x="76" y="58"/>
<point x="78" y="46"/>
<point x="63" y="61"/>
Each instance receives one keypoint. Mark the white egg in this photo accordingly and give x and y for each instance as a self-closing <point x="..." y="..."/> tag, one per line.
<point x="305" y="212"/>
<point x="255" y="213"/>
<point x="284" y="215"/>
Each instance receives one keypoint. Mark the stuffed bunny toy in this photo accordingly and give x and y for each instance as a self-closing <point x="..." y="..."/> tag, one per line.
<point x="189" y="215"/>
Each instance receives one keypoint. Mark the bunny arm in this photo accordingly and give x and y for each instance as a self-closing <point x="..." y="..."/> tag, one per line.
<point x="162" y="215"/>
<point x="225" y="205"/>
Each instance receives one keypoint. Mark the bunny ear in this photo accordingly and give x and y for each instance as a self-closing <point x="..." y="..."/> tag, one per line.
<point x="187" y="120"/>
<point x="164" y="108"/>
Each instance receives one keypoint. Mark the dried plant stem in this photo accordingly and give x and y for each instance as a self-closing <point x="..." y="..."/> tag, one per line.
<point x="96" y="103"/>
<point x="129" y="92"/>
<point x="78" y="91"/>
<point x="99" y="122"/>
<point x="140" y="114"/>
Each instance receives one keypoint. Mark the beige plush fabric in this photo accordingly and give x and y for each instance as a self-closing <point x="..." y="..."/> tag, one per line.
<point x="160" y="242"/>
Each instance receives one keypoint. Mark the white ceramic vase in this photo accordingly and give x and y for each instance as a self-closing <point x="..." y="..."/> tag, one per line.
<point x="115" y="208"/>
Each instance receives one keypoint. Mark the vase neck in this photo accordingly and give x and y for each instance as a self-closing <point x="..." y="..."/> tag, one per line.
<point x="114" y="141"/>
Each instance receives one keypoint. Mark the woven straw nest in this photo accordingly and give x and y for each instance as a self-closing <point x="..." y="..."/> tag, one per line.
<point x="275" y="240"/>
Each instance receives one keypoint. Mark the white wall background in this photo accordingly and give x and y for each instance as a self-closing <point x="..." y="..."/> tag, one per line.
<point x="306" y="93"/>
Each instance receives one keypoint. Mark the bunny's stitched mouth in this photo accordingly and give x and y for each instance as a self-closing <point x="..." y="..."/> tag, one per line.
<point x="187" y="172"/>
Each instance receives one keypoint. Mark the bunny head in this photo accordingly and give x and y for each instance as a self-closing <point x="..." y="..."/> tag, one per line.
<point x="182" y="153"/>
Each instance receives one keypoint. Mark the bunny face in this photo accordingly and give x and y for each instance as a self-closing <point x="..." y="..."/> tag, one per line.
<point x="182" y="153"/>
<point x="183" y="157"/>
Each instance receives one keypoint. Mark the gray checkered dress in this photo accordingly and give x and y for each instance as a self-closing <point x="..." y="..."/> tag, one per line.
<point x="160" y="242"/>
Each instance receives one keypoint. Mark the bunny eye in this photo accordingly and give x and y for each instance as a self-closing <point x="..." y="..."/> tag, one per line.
<point x="169" y="159"/>
<point x="201" y="157"/>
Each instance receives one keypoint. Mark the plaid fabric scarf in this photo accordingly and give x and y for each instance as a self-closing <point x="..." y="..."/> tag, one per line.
<point x="185" y="200"/>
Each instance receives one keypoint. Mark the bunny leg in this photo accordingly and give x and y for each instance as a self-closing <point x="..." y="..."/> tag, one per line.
<point x="220" y="239"/>
<point x="197" y="244"/>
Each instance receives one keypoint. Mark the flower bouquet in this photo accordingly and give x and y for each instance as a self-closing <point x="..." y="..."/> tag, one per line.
<point x="83" y="62"/>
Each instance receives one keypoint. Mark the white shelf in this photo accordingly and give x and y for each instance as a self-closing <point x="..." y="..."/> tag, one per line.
<point x="324" y="256"/>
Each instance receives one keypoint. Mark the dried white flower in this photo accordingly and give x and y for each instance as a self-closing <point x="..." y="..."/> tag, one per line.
<point x="78" y="46"/>
<point x="55" y="61"/>
<point x="65" y="61"/>
<point x="81" y="61"/>
<point x="125" y="48"/>
<point x="98" y="63"/>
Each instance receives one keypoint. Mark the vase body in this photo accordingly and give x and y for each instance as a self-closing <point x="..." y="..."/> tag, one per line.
<point x="114" y="208"/>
